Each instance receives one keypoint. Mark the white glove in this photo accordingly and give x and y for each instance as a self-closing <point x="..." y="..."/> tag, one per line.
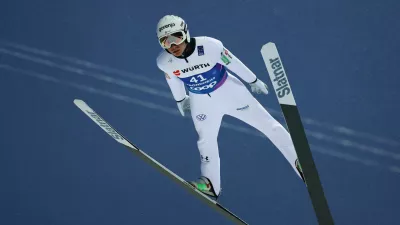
<point x="259" y="87"/>
<point x="184" y="105"/>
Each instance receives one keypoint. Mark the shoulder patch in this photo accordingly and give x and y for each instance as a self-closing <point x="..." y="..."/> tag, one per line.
<point x="226" y="57"/>
<point x="200" y="50"/>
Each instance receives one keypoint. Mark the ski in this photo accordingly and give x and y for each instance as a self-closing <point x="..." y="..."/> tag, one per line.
<point x="292" y="117"/>
<point x="95" y="117"/>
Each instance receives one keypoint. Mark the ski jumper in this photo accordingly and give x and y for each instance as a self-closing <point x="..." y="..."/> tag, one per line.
<point x="214" y="92"/>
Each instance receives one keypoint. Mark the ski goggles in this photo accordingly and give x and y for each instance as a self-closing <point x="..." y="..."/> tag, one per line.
<point x="175" y="38"/>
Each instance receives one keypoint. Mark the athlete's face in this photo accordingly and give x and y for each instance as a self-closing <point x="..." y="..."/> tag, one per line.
<point x="177" y="50"/>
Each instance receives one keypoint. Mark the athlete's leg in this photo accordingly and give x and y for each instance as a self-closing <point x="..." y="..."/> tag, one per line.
<point x="249" y="110"/>
<point x="207" y="121"/>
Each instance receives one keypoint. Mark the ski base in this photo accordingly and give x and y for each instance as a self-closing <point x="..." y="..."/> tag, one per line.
<point x="95" y="117"/>
<point x="284" y="94"/>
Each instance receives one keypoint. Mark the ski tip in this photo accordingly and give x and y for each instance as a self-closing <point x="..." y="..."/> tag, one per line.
<point x="267" y="45"/>
<point x="78" y="102"/>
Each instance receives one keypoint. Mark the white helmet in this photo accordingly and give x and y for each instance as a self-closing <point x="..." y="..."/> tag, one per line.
<point x="170" y="24"/>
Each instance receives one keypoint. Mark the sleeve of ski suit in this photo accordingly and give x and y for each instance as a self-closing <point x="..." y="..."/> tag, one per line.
<point x="177" y="87"/>
<point x="231" y="62"/>
<point x="175" y="84"/>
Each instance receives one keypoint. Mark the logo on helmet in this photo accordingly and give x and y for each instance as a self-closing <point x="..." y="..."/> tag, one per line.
<point x="166" y="26"/>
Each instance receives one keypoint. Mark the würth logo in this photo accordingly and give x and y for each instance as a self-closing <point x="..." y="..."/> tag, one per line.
<point x="177" y="73"/>
<point x="196" y="67"/>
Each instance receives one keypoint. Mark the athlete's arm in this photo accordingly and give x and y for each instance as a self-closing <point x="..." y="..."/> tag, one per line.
<point x="179" y="92"/>
<point x="231" y="62"/>
<point x="177" y="87"/>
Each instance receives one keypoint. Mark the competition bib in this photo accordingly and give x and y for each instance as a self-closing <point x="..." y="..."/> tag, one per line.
<point x="206" y="82"/>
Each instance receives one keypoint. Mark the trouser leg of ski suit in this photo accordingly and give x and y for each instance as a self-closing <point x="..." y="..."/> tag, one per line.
<point x="234" y="99"/>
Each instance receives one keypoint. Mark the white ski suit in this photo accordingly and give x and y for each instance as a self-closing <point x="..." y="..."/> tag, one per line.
<point x="214" y="92"/>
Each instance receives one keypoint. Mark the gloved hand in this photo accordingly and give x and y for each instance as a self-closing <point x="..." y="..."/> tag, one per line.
<point x="259" y="87"/>
<point x="184" y="105"/>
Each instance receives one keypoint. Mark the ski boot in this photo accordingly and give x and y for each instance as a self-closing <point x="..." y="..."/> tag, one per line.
<point x="298" y="167"/>
<point x="204" y="185"/>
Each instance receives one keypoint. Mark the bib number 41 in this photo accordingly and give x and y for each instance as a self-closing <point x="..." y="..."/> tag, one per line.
<point x="194" y="80"/>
